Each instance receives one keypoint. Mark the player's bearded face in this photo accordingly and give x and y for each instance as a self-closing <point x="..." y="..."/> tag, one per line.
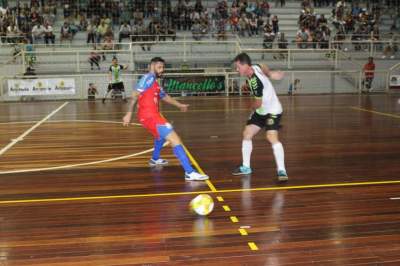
<point x="158" y="69"/>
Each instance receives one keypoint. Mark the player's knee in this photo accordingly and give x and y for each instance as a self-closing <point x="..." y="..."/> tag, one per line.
<point x="272" y="137"/>
<point x="174" y="139"/>
<point x="247" y="135"/>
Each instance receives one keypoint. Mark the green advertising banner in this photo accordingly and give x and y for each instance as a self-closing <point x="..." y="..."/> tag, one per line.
<point x="194" y="84"/>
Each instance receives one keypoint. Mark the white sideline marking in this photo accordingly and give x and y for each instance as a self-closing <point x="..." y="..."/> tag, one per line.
<point x="23" y="135"/>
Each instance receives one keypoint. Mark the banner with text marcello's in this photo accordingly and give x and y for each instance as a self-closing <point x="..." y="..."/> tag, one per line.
<point x="32" y="87"/>
<point x="194" y="84"/>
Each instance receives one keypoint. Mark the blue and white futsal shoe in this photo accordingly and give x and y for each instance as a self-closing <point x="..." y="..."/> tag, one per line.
<point x="195" y="176"/>
<point x="158" y="162"/>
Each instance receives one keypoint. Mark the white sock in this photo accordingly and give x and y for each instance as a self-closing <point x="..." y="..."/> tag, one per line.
<point x="247" y="147"/>
<point x="279" y="154"/>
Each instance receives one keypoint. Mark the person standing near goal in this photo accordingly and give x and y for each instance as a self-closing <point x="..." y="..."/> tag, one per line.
<point x="267" y="112"/>
<point x="115" y="80"/>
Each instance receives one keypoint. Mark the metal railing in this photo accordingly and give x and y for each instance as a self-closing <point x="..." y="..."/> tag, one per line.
<point x="179" y="52"/>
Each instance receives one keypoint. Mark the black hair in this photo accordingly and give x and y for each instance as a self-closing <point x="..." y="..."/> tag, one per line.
<point x="157" y="60"/>
<point x="243" y="58"/>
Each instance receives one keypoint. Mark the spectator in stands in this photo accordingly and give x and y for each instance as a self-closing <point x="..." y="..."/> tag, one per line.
<point x="198" y="7"/>
<point x="275" y="24"/>
<point x="94" y="59"/>
<point x="48" y="33"/>
<point x="125" y="13"/>
<point x="322" y="21"/>
<point x="187" y="23"/>
<point x="137" y="16"/>
<point x="48" y="16"/>
<point x="234" y="23"/>
<point x="269" y="37"/>
<point x="153" y="30"/>
<point x="125" y="31"/>
<point x="312" y="41"/>
<point x="35" y="18"/>
<point x="359" y="36"/>
<point x="91" y="30"/>
<point x="243" y="25"/>
<point x="37" y="32"/>
<point x="166" y="31"/>
<point x="67" y="10"/>
<point x="340" y="5"/>
<point x="142" y="35"/>
<point x="253" y="26"/>
<point x="12" y="33"/>
<point x="25" y="30"/>
<point x="194" y="15"/>
<point x="221" y="29"/>
<point x="302" y="38"/>
<point x="74" y="26"/>
<point x="66" y="32"/>
<point x="101" y="31"/>
<point x="369" y="73"/>
<point x="205" y="22"/>
<point x="196" y="31"/>
<point x="323" y="36"/>
<point x="150" y="8"/>
<point x="24" y="14"/>
<point x="339" y="38"/>
<point x="265" y="9"/>
<point x="349" y="23"/>
<point x="3" y="32"/>
<point x="282" y="44"/>
<point x="116" y="12"/>
<point x="135" y="33"/>
<point x="222" y="9"/>
<point x="83" y="22"/>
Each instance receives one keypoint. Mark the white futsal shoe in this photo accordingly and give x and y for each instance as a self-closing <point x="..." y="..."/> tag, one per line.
<point x="195" y="176"/>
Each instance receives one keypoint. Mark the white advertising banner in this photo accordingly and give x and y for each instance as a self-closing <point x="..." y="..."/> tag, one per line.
<point x="32" y="87"/>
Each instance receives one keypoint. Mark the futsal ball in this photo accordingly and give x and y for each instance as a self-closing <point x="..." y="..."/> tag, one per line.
<point x="203" y="204"/>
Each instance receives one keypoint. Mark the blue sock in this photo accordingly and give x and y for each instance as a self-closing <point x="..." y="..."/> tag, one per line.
<point x="158" y="145"/>
<point x="181" y="155"/>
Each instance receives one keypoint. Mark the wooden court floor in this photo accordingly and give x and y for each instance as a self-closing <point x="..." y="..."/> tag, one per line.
<point x="75" y="187"/>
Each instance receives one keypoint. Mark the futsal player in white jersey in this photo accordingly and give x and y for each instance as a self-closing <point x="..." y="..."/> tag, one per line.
<point x="267" y="112"/>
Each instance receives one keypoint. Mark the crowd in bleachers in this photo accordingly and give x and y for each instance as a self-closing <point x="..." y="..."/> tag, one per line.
<point x="356" y="20"/>
<point x="109" y="21"/>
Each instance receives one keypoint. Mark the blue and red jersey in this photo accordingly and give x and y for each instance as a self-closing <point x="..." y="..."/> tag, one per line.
<point x="150" y="94"/>
<point x="148" y="106"/>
